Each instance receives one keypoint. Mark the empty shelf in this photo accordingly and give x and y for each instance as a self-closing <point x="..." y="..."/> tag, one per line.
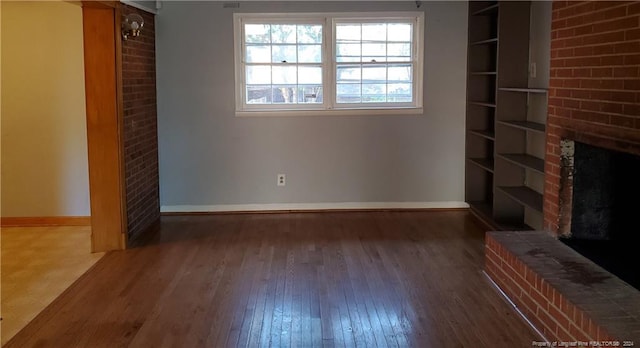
<point x="483" y="42"/>
<point x="486" y="11"/>
<point x="483" y="133"/>
<point x="526" y="125"/>
<point x="524" y="90"/>
<point x="491" y="105"/>
<point x="524" y="195"/>
<point x="483" y="73"/>
<point x="526" y="161"/>
<point x="484" y="163"/>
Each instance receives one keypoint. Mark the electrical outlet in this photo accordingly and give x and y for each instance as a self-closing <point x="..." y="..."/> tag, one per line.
<point x="532" y="70"/>
<point x="282" y="180"/>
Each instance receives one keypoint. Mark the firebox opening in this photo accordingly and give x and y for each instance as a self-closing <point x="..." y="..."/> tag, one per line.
<point x="606" y="196"/>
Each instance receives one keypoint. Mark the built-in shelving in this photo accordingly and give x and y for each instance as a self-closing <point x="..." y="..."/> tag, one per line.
<point x="483" y="133"/>
<point x="524" y="195"/>
<point x="484" y="42"/>
<point x="484" y="163"/>
<point x="506" y="113"/>
<point x="523" y="90"/>
<point x="480" y="103"/>
<point x="483" y="73"/>
<point x="489" y="10"/>
<point x="525" y="125"/>
<point x="483" y="209"/>
<point x="525" y="161"/>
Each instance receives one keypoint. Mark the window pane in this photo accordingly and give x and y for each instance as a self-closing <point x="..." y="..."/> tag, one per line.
<point x="258" y="94"/>
<point x="352" y="50"/>
<point x="399" y="59"/>
<point x="399" y="73"/>
<point x="284" y="74"/>
<point x="348" y="32"/>
<point x="258" y="54"/>
<point x="258" y="75"/>
<point x="374" y="93"/>
<point x="309" y="33"/>
<point x="284" y="94"/>
<point x="310" y="75"/>
<point x="399" y="93"/>
<point x="256" y="33"/>
<point x="283" y="53"/>
<point x="374" y="88"/>
<point x="310" y="53"/>
<point x="374" y="49"/>
<point x="310" y="94"/>
<point x="399" y="32"/>
<point x="371" y="74"/>
<point x="348" y="93"/>
<point x="376" y="59"/>
<point x="399" y="49"/>
<point x="348" y="59"/>
<point x="374" y="32"/>
<point x="348" y="74"/>
<point x="283" y="33"/>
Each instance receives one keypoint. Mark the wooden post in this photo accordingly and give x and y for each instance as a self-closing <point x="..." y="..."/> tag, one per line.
<point x="104" y="125"/>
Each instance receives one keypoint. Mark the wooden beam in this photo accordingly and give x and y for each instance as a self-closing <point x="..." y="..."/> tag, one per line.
<point x="104" y="133"/>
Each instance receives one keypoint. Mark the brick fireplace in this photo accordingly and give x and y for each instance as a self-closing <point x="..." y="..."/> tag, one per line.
<point x="594" y="92"/>
<point x="594" y="99"/>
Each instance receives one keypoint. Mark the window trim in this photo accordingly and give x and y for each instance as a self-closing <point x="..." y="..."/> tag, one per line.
<point x="329" y="106"/>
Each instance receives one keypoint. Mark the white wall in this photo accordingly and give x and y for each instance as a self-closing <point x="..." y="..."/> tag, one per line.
<point x="44" y="140"/>
<point x="210" y="157"/>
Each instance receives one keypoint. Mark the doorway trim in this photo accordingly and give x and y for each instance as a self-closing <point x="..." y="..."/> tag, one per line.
<point x="103" y="89"/>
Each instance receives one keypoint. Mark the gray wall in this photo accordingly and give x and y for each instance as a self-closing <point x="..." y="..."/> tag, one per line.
<point x="540" y="54"/>
<point x="208" y="156"/>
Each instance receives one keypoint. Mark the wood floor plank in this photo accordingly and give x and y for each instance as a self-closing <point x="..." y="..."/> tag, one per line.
<point x="335" y="279"/>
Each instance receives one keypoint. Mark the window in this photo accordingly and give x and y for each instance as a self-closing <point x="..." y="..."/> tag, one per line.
<point x="328" y="63"/>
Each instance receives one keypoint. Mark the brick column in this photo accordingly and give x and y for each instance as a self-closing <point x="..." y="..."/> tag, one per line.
<point x="140" y="127"/>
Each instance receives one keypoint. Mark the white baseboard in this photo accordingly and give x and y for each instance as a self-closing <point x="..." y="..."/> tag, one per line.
<point x="310" y="206"/>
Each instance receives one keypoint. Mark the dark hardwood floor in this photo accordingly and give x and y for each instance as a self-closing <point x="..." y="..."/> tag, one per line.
<point x="365" y="279"/>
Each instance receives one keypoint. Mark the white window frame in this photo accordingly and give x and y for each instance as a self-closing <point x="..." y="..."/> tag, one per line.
<point x="329" y="105"/>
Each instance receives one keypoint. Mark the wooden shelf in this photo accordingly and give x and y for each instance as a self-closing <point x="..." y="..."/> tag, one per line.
<point x="486" y="11"/>
<point x="480" y="103"/>
<point x="483" y="73"/>
<point x="524" y="195"/>
<point x="484" y="42"/>
<point x="484" y="163"/>
<point x="483" y="133"/>
<point x="525" y="161"/>
<point x="525" y="125"/>
<point x="523" y="90"/>
<point x="499" y="161"/>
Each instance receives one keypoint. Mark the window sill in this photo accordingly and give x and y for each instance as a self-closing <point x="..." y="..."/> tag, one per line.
<point x="332" y="112"/>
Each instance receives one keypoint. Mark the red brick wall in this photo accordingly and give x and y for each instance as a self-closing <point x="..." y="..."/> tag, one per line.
<point x="594" y="93"/>
<point x="547" y="308"/>
<point x="140" y="127"/>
